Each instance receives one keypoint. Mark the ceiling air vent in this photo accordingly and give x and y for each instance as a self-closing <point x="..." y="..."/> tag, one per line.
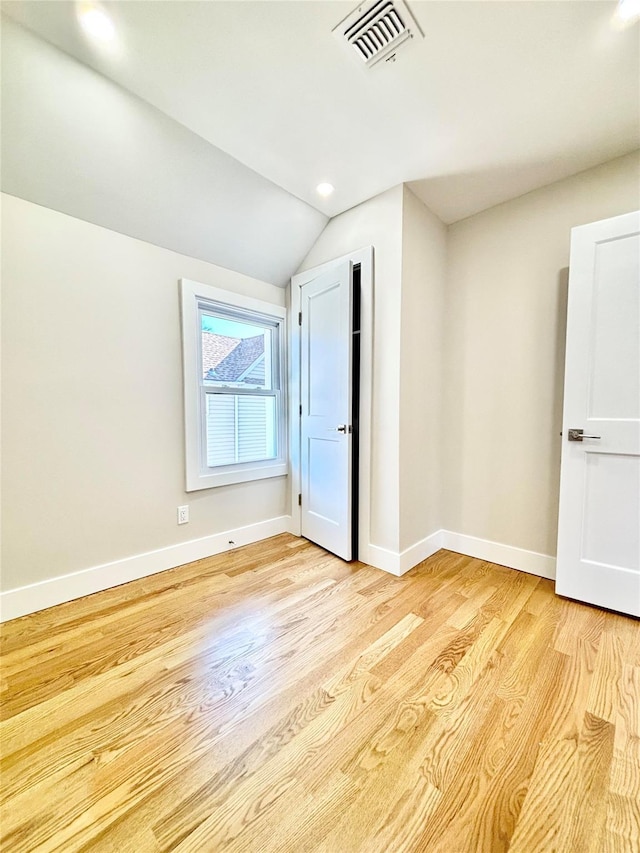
<point x="376" y="30"/>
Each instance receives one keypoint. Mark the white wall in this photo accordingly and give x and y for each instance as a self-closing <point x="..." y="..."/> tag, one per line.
<point x="504" y="358"/>
<point x="93" y="439"/>
<point x="93" y="445"/>
<point x="76" y="142"/>
<point x="468" y="363"/>
<point x="377" y="222"/>
<point x="421" y="371"/>
<point x="409" y="270"/>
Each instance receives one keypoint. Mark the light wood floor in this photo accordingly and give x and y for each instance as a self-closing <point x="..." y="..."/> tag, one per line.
<point x="278" y="699"/>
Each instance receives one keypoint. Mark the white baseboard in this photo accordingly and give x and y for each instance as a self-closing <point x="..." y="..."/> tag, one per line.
<point x="38" y="596"/>
<point x="410" y="557"/>
<point x="398" y="563"/>
<point x="382" y="558"/>
<point x="504" y="555"/>
<point x="293" y="525"/>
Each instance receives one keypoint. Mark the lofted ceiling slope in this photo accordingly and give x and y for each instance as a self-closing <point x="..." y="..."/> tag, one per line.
<point x="76" y="142"/>
<point x="498" y="98"/>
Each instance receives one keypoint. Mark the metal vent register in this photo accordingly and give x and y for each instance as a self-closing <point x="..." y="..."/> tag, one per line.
<point x="376" y="30"/>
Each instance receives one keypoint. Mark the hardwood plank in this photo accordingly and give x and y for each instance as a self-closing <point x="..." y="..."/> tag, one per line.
<point x="331" y="701"/>
<point x="623" y="803"/>
<point x="605" y="685"/>
<point x="578" y="622"/>
<point x="275" y="698"/>
<point x="584" y="822"/>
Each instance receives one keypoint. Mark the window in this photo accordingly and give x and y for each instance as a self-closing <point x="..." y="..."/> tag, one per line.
<point x="233" y="379"/>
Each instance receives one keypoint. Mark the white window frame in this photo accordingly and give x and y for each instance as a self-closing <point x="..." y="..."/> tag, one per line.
<point x="194" y="296"/>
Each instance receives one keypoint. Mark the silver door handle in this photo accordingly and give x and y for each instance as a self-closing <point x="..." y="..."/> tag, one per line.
<point x="578" y="435"/>
<point x="341" y="428"/>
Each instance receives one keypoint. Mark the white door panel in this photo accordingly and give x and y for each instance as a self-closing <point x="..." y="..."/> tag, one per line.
<point x="614" y="384"/>
<point x="611" y="530"/>
<point x="326" y="385"/>
<point x="599" y="522"/>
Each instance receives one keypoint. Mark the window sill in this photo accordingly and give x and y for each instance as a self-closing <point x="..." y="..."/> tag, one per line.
<point x="239" y="475"/>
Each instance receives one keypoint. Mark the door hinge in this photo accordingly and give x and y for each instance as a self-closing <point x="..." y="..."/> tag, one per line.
<point x="300" y="409"/>
<point x="299" y="500"/>
<point x="299" y="318"/>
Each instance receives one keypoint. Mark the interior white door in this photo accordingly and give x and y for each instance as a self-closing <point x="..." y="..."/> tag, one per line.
<point x="326" y="389"/>
<point x="599" y="522"/>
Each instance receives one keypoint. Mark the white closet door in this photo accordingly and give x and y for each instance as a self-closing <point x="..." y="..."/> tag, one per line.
<point x="326" y="387"/>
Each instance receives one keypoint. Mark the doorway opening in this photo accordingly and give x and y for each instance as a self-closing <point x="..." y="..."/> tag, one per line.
<point x="355" y="409"/>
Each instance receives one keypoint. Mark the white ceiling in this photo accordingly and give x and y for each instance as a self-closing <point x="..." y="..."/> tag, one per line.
<point x="498" y="99"/>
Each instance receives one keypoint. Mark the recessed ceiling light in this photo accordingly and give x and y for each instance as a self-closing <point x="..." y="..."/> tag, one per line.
<point x="324" y="189"/>
<point x="96" y="23"/>
<point x="628" y="11"/>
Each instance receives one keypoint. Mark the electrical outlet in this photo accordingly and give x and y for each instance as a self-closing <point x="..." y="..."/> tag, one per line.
<point x="183" y="515"/>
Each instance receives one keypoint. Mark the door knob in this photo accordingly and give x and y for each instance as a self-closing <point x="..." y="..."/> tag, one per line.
<point x="578" y="435"/>
<point x="340" y="428"/>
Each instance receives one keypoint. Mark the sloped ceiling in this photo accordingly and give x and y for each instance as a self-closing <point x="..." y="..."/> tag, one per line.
<point x="76" y="142"/>
<point x="497" y="99"/>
